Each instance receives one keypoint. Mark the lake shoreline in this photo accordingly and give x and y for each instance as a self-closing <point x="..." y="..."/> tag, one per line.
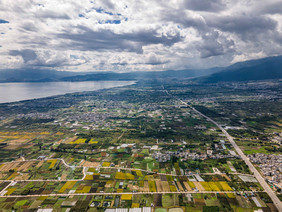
<point x="89" y="86"/>
<point x="117" y="80"/>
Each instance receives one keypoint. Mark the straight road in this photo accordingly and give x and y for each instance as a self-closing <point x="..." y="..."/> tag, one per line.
<point x="259" y="178"/>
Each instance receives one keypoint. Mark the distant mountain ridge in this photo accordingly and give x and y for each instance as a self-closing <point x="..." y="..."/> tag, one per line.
<point x="34" y="75"/>
<point x="143" y="75"/>
<point x="261" y="69"/>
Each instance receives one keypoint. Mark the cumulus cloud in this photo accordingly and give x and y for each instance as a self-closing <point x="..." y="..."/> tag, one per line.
<point x="47" y="58"/>
<point x="153" y="59"/>
<point x="213" y="45"/>
<point x="87" y="39"/>
<point x="108" y="35"/>
<point x="26" y="54"/>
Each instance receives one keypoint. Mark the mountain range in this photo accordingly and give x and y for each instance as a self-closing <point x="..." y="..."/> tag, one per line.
<point x="261" y="69"/>
<point x="35" y="75"/>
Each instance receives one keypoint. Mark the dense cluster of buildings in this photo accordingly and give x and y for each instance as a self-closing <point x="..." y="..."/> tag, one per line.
<point x="90" y="117"/>
<point x="36" y="115"/>
<point x="166" y="156"/>
<point x="270" y="165"/>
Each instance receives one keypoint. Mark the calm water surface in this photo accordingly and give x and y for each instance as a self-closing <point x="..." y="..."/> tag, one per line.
<point x="11" y="92"/>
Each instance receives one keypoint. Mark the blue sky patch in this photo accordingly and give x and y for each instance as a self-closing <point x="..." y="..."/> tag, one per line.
<point x="100" y="10"/>
<point x="3" y="21"/>
<point x="112" y="21"/>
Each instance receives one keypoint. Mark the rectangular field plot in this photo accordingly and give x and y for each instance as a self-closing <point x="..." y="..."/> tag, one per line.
<point x="248" y="178"/>
<point x="68" y="185"/>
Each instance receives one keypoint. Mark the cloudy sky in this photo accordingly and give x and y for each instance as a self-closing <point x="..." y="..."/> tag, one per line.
<point x="133" y="35"/>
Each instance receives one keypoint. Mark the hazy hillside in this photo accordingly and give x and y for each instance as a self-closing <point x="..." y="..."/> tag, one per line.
<point x="143" y="75"/>
<point x="34" y="75"/>
<point x="266" y="68"/>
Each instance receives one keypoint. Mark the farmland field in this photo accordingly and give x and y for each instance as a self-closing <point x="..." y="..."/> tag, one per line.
<point x="152" y="186"/>
<point x="68" y="185"/>
<point x="225" y="186"/>
<point x="52" y="163"/>
<point x="141" y="146"/>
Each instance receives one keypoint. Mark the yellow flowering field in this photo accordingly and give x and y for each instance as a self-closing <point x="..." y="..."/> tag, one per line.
<point x="126" y="197"/>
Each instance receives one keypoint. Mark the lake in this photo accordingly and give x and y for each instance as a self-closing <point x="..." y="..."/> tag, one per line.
<point x="12" y="92"/>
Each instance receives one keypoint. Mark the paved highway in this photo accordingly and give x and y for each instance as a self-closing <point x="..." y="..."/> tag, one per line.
<point x="259" y="178"/>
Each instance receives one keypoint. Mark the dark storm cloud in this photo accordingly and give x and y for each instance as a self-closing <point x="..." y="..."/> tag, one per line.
<point x="183" y="18"/>
<point x="245" y="26"/>
<point x="26" y="54"/>
<point x="103" y="40"/>
<point x="271" y="8"/>
<point x="205" y="5"/>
